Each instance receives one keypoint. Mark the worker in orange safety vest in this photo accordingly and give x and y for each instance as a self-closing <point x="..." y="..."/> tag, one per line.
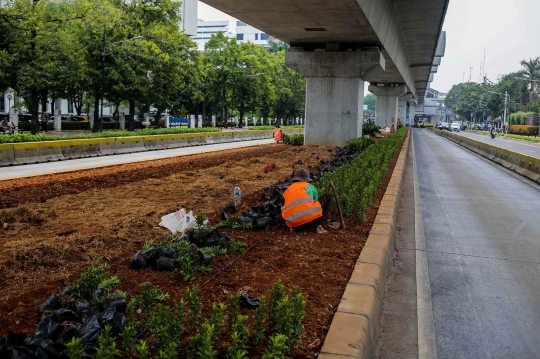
<point x="303" y="207"/>
<point x="278" y="134"/>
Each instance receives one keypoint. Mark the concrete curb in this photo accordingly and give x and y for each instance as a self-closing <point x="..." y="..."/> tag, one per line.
<point x="354" y="331"/>
<point x="12" y="154"/>
<point x="518" y="162"/>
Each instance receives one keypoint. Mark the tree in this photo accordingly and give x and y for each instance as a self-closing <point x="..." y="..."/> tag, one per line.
<point x="275" y="46"/>
<point x="531" y="71"/>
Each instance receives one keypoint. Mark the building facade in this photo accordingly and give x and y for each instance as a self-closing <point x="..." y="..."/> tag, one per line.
<point x="247" y="33"/>
<point x="205" y="30"/>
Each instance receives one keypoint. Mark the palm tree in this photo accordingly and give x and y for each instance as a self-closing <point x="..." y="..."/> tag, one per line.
<point x="277" y="46"/>
<point x="531" y="71"/>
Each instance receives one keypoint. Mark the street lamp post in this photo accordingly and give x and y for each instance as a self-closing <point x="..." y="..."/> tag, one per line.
<point x="9" y="97"/>
<point x="103" y="54"/>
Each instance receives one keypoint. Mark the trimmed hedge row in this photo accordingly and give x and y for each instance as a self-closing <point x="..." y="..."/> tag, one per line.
<point x="146" y="132"/>
<point x="264" y="128"/>
<point x="295" y="140"/>
<point x="358" y="181"/>
<point x="523" y="130"/>
<point x="518" y="118"/>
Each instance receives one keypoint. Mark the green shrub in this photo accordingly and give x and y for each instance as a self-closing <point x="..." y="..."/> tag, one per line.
<point x="523" y="130"/>
<point x="369" y="129"/>
<point x="265" y="128"/>
<point x="357" y="182"/>
<point x="295" y="140"/>
<point x="97" y="275"/>
<point x="16" y="138"/>
<point x="359" y="144"/>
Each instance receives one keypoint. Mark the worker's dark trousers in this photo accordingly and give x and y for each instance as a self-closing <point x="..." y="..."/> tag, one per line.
<point x="326" y="203"/>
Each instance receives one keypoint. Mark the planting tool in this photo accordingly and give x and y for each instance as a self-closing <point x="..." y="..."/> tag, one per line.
<point x="338" y="206"/>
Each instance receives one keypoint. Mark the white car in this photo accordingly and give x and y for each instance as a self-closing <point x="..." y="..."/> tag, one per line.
<point x="454" y="126"/>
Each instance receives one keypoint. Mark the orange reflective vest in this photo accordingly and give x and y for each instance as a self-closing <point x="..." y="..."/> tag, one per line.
<point x="278" y="134"/>
<point x="299" y="208"/>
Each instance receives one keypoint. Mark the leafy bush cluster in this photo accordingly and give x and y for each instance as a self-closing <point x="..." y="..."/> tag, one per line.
<point x="518" y="118"/>
<point x="359" y="144"/>
<point x="369" y="129"/>
<point x="523" y="130"/>
<point x="105" y="134"/>
<point x="357" y="182"/>
<point x="264" y="128"/>
<point x="295" y="140"/>
<point x="156" y="330"/>
<point x="95" y="282"/>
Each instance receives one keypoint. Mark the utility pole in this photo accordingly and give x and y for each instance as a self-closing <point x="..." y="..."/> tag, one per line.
<point x="470" y="73"/>
<point x="505" y="104"/>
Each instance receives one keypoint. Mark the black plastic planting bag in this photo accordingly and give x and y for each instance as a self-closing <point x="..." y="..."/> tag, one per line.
<point x="150" y="255"/>
<point x="51" y="303"/>
<point x="248" y="302"/>
<point x="66" y="315"/>
<point x="96" y="294"/>
<point x="165" y="264"/>
<point x="138" y="261"/>
<point x="113" y="319"/>
<point x="119" y="304"/>
<point x="164" y="251"/>
<point x="80" y="308"/>
<point x="47" y="349"/>
<point x="47" y="329"/>
<point x="14" y="346"/>
<point x="261" y="223"/>
<point x="90" y="326"/>
<point x="68" y="334"/>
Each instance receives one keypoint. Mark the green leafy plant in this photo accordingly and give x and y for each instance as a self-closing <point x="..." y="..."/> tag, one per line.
<point x="129" y="338"/>
<point x="165" y="325"/>
<point x="194" y="305"/>
<point x="143" y="349"/>
<point x="234" y="223"/>
<point x="89" y="281"/>
<point x="277" y="347"/>
<point x="296" y="326"/>
<point x="148" y="244"/>
<point x="217" y="318"/>
<point x="202" y="344"/>
<point x="189" y="264"/>
<point x="106" y="346"/>
<point x="239" y="337"/>
<point x="149" y="296"/>
<point x="233" y="308"/>
<point x="131" y="310"/>
<point x="295" y="140"/>
<point x="259" y="322"/>
<point x="276" y="294"/>
<point x="74" y="348"/>
<point x="170" y="351"/>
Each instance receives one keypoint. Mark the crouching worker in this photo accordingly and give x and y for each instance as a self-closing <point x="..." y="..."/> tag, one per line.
<point x="303" y="209"/>
<point x="278" y="134"/>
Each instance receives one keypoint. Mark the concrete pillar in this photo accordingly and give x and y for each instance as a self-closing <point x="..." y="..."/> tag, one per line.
<point x="166" y="118"/>
<point x="214" y="121"/>
<point x="386" y="109"/>
<point x="334" y="92"/>
<point x="412" y="113"/>
<point x="191" y="121"/>
<point x="246" y="121"/>
<point x="122" y="119"/>
<point x="57" y="120"/>
<point x="254" y="121"/>
<point x="91" y="118"/>
<point x="14" y="116"/>
<point x="200" y="121"/>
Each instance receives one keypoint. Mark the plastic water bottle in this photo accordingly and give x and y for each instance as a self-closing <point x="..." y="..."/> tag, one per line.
<point x="237" y="196"/>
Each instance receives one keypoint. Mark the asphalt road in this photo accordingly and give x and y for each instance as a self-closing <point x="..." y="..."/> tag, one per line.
<point x="103" y="161"/>
<point x="526" y="147"/>
<point x="481" y="228"/>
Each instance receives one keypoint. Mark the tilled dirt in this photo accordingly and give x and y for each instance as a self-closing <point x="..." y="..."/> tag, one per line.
<point x="55" y="226"/>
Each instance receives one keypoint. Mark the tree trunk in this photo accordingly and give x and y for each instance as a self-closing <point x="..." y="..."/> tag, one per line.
<point x="131" y="126"/>
<point x="96" y="110"/>
<point x="34" y="127"/>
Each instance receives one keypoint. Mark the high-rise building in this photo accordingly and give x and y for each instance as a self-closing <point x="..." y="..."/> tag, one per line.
<point x="247" y="33"/>
<point x="188" y="17"/>
<point x="205" y="30"/>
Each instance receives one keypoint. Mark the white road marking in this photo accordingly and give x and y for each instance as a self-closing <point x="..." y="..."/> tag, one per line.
<point x="427" y="343"/>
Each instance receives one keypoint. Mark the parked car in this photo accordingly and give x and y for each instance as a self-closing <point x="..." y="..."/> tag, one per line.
<point x="444" y="126"/>
<point x="454" y="126"/>
<point x="107" y="119"/>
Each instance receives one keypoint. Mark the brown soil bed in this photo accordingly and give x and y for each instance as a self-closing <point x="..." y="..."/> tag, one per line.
<point x="55" y="226"/>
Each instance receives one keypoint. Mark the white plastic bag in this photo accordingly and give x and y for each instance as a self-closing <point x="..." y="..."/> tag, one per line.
<point x="179" y="221"/>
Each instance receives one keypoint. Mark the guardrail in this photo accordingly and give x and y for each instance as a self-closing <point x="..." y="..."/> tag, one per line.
<point x="518" y="162"/>
<point x="12" y="154"/>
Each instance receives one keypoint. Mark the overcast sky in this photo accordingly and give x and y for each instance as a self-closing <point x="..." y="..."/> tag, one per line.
<point x="509" y="31"/>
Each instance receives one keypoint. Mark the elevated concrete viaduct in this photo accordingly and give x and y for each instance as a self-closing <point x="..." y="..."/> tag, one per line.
<point x="395" y="45"/>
